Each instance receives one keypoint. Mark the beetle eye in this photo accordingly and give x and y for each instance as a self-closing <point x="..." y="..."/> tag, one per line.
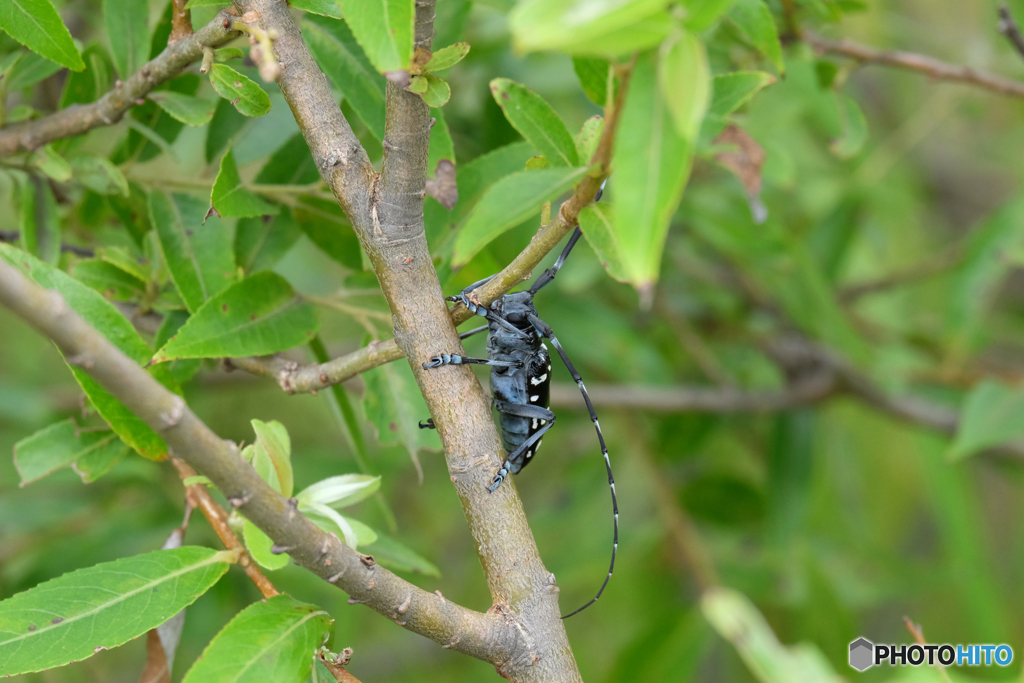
<point x="515" y="317"/>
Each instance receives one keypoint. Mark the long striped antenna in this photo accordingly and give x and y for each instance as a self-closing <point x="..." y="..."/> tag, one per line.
<point x="546" y="330"/>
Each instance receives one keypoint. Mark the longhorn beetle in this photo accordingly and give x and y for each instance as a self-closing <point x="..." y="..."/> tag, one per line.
<point x="521" y="380"/>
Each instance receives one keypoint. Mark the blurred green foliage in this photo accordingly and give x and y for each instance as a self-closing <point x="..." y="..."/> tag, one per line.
<point x="834" y="519"/>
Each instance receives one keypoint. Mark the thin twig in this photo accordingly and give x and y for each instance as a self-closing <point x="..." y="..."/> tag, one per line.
<point x="181" y="21"/>
<point x="199" y="498"/>
<point x="934" y="68"/>
<point x="918" y="634"/>
<point x="1008" y="27"/>
<point x="111" y="108"/>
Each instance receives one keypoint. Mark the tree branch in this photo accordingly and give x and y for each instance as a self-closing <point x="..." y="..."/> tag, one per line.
<point x="386" y="214"/>
<point x="1008" y="27"/>
<point x="109" y="109"/>
<point x="910" y="61"/>
<point x="485" y="636"/>
<point x="298" y="379"/>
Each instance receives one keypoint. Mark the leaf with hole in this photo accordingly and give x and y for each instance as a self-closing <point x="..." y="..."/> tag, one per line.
<point x="76" y="615"/>
<point x="255" y="317"/>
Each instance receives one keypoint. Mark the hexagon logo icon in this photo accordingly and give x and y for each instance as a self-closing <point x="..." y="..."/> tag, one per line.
<point x="861" y="651"/>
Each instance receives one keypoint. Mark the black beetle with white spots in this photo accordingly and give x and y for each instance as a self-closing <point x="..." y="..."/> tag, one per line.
<point x="521" y="380"/>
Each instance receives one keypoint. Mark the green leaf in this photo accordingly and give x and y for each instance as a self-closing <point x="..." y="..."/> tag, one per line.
<point x="326" y="225"/>
<point x="593" y="74"/>
<point x="205" y="3"/>
<point x="261" y="242"/>
<point x="120" y="257"/>
<point x="652" y="162"/>
<point x="384" y="28"/>
<point x="93" y="464"/>
<point x="587" y="139"/>
<point x="536" y="121"/>
<point x="509" y="202"/>
<point x="434" y="91"/>
<point x="181" y="370"/>
<point x="738" y="621"/>
<point x="74" y="616"/>
<point x="89" y="85"/>
<point x="326" y="8"/>
<point x="732" y="91"/>
<point x="596" y="226"/>
<point x="192" y="111"/>
<point x="125" y="24"/>
<point x="701" y="14"/>
<point x="107" y="279"/>
<point x="259" y="546"/>
<point x="855" y="129"/>
<point x="258" y="316"/>
<point x="28" y="70"/>
<point x="199" y="256"/>
<point x="57" y="446"/>
<point x="393" y="400"/>
<point x="242" y="92"/>
<point x="993" y="414"/>
<point x="447" y="57"/>
<point x="274" y="444"/>
<point x="594" y="27"/>
<point x="340" y="491"/>
<point x="271" y="641"/>
<point x="36" y="25"/>
<point x="225" y="125"/>
<point x="109" y="322"/>
<point x="395" y="556"/>
<point x="99" y="175"/>
<point x="51" y="164"/>
<point x="754" y="20"/>
<point x="345" y="63"/>
<point x="684" y="76"/>
<point x="231" y="199"/>
<point x="291" y="164"/>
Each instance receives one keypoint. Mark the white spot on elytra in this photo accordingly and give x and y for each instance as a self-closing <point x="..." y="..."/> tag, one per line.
<point x="534" y="425"/>
<point x="543" y="422"/>
<point x="534" y="398"/>
<point x="538" y="380"/>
